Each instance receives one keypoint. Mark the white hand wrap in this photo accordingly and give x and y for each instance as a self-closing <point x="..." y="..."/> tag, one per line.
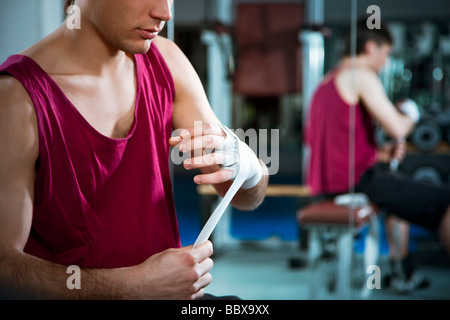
<point x="411" y="109"/>
<point x="239" y="158"/>
<point x="246" y="174"/>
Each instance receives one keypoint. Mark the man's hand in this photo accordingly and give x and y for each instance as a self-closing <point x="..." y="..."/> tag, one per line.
<point x="399" y="150"/>
<point x="392" y="151"/>
<point x="200" y="141"/>
<point x="173" y="274"/>
<point x="219" y="153"/>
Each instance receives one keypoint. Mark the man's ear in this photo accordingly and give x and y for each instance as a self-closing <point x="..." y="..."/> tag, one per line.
<point x="370" y="47"/>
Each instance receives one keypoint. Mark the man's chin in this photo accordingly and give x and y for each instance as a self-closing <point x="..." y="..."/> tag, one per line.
<point x="140" y="48"/>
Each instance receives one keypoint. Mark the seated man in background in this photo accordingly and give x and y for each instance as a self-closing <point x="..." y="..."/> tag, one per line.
<point x="85" y="122"/>
<point x="327" y="134"/>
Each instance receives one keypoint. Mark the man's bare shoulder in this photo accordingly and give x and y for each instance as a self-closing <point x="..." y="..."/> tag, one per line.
<point x="181" y="68"/>
<point x="364" y="72"/>
<point x="360" y="72"/>
<point x="14" y="95"/>
<point x="363" y="77"/>
<point x="191" y="102"/>
<point x="173" y="55"/>
<point x="18" y="122"/>
<point x="165" y="45"/>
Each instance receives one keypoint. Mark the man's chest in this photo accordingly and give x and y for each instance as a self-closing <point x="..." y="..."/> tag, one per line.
<point x="107" y="105"/>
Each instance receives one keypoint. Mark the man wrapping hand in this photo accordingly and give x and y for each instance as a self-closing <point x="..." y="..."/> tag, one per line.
<point x="85" y="119"/>
<point x="228" y="152"/>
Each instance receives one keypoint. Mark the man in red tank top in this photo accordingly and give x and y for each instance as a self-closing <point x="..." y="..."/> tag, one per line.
<point x="86" y="118"/>
<point x="327" y="134"/>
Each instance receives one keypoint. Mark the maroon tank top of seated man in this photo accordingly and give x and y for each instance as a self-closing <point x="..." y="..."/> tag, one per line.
<point x="332" y="167"/>
<point x="101" y="202"/>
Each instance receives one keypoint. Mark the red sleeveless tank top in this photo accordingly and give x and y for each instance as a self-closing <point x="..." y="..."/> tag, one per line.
<point x="327" y="135"/>
<point x="101" y="202"/>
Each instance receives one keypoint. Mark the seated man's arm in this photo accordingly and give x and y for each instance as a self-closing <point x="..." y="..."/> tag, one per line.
<point x="372" y="93"/>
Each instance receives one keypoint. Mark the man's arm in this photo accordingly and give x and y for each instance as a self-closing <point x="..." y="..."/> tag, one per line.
<point x="175" y="273"/>
<point x="371" y="92"/>
<point x="18" y="155"/>
<point x="191" y="104"/>
<point x="22" y="273"/>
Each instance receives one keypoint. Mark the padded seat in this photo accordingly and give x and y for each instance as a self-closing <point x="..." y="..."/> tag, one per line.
<point x="328" y="213"/>
<point x="326" y="218"/>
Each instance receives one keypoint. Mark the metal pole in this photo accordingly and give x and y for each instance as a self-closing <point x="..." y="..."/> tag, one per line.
<point x="171" y="25"/>
<point x="313" y="62"/>
<point x="220" y="92"/>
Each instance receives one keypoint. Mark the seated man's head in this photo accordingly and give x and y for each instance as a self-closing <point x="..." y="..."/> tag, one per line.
<point x="374" y="45"/>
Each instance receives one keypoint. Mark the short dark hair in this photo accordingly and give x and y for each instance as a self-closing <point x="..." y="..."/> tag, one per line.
<point x="364" y="34"/>
<point x="67" y="4"/>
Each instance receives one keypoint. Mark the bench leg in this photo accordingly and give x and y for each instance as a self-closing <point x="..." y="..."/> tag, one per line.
<point x="371" y="251"/>
<point x="314" y="252"/>
<point x="345" y="248"/>
<point x="314" y="249"/>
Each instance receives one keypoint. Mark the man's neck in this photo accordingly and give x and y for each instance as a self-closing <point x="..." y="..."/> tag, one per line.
<point x="86" y="49"/>
<point x="360" y="61"/>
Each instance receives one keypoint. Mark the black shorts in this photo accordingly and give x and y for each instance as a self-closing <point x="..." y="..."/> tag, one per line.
<point x="420" y="203"/>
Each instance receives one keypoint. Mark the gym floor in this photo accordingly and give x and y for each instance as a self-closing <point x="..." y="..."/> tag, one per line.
<point x="261" y="271"/>
<point x="257" y="263"/>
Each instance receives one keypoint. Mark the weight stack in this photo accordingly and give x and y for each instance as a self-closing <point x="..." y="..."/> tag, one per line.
<point x="427" y="136"/>
<point x="429" y="168"/>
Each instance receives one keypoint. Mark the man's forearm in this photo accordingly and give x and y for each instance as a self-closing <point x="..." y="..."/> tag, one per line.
<point x="27" y="276"/>
<point x="250" y="199"/>
<point x="246" y="199"/>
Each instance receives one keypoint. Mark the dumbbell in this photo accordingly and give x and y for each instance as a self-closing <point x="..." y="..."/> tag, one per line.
<point x="427" y="174"/>
<point x="381" y="137"/>
<point x="427" y="136"/>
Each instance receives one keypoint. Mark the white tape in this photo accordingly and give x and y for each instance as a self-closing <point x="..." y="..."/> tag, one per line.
<point x="242" y="174"/>
<point x="236" y="153"/>
<point x="352" y="200"/>
<point x="411" y="109"/>
<point x="231" y="151"/>
<point x="393" y="165"/>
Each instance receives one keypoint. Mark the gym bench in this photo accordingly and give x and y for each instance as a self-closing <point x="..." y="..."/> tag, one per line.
<point x="341" y="224"/>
